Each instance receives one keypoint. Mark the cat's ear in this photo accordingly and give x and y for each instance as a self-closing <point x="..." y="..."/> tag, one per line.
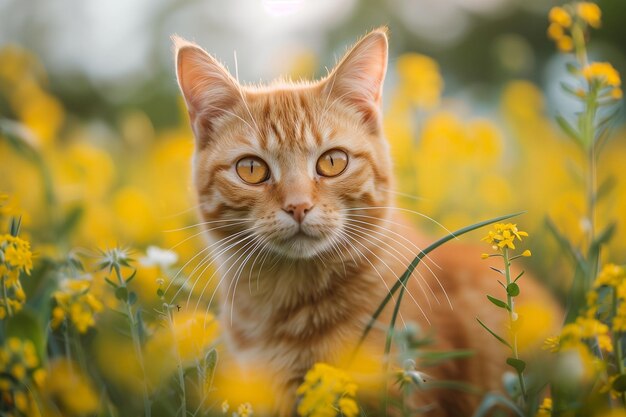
<point x="358" y="78"/>
<point x="208" y="88"/>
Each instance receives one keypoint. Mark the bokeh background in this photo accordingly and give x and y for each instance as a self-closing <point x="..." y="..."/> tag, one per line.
<point x="95" y="154"/>
<point x="95" y="146"/>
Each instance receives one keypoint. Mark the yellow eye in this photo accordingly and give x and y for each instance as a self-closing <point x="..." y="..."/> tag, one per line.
<point x="332" y="163"/>
<point x="252" y="170"/>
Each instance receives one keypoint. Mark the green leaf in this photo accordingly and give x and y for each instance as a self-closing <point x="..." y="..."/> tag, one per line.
<point x="512" y="289"/>
<point x="498" y="303"/>
<point x="111" y="283"/>
<point x="567" y="246"/>
<point x="504" y="342"/>
<point x="141" y="330"/>
<point x="160" y="292"/>
<point x="401" y="281"/>
<point x="517" y="364"/>
<point x="519" y="276"/>
<point x="603" y="237"/>
<point x="210" y="360"/>
<point x="14" y="227"/>
<point x="499" y="271"/>
<point x="569" y="130"/>
<point x="132" y="298"/>
<point x="605" y="188"/>
<point x="619" y="384"/>
<point x="131" y="277"/>
<point x="25" y="325"/>
<point x="572" y="69"/>
<point x="121" y="293"/>
<point x="569" y="89"/>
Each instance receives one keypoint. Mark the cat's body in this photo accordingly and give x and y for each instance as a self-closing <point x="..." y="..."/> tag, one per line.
<point x="308" y="251"/>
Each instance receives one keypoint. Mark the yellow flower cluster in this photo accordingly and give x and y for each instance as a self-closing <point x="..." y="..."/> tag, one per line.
<point x="503" y="236"/>
<point x="590" y="13"/>
<point x="613" y="276"/>
<point x="19" y="368"/>
<point x="70" y="389"/>
<point x="583" y="329"/>
<point x="605" y="75"/>
<point x="422" y="83"/>
<point x="545" y="409"/>
<point x="15" y="257"/>
<point x="76" y="303"/>
<point x="327" y="392"/>
<point x="562" y="19"/>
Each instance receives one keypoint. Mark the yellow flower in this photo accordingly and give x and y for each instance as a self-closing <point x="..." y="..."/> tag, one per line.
<point x="76" y="303"/>
<point x="552" y="344"/>
<point x="503" y="235"/>
<point x="560" y="16"/>
<point x="71" y="389"/>
<point x="545" y="409"/>
<point x="602" y="72"/>
<point x="326" y="392"/>
<point x="420" y="79"/>
<point x="245" y="410"/>
<point x="565" y="44"/>
<point x="611" y="275"/>
<point x="555" y="31"/>
<point x="590" y="13"/>
<point x="619" y="321"/>
<point x="17" y="252"/>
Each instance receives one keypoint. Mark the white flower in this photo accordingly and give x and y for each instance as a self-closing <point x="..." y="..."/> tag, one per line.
<point x="161" y="257"/>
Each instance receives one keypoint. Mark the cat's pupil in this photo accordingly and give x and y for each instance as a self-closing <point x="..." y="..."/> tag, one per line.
<point x="251" y="167"/>
<point x="332" y="162"/>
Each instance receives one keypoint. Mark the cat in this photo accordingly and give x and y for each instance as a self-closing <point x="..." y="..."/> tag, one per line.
<point x="293" y="180"/>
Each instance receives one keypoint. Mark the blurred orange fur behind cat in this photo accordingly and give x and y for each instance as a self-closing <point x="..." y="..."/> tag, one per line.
<point x="293" y="181"/>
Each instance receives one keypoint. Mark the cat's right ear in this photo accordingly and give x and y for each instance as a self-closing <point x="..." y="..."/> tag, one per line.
<point x="208" y="88"/>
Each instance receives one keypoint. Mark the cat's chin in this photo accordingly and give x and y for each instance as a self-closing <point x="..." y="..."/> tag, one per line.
<point x="301" y="246"/>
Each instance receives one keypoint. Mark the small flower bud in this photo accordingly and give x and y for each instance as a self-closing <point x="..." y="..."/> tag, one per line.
<point x="526" y="253"/>
<point x="484" y="256"/>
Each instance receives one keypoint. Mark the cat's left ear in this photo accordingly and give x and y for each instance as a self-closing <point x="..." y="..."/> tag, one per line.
<point x="209" y="90"/>
<point x="358" y="78"/>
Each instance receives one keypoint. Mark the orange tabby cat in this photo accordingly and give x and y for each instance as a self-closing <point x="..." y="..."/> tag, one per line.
<point x="293" y="183"/>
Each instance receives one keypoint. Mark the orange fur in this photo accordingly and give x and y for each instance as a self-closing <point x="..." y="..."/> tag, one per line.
<point x="293" y="295"/>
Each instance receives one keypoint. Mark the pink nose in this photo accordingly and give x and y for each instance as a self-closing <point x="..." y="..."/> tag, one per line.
<point x="298" y="211"/>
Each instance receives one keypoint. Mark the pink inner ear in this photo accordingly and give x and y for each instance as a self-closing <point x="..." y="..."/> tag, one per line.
<point x="359" y="77"/>
<point x="209" y="90"/>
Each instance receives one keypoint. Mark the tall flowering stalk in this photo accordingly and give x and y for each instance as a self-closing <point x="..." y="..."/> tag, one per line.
<point x="15" y="259"/>
<point x="114" y="260"/>
<point x="502" y="240"/>
<point x="598" y="86"/>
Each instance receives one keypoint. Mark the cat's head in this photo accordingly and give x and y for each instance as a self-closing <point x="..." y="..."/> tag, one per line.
<point x="287" y="164"/>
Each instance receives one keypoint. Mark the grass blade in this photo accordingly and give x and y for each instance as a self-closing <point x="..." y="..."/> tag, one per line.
<point x="401" y="281"/>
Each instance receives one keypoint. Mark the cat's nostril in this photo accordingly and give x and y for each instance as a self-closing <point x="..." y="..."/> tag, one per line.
<point x="298" y="211"/>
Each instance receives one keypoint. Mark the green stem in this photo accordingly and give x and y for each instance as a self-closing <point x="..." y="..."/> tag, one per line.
<point x="617" y="342"/>
<point x="136" y="345"/>
<point x="66" y="339"/>
<point x="5" y="297"/>
<point x="511" y="311"/>
<point x="181" y="374"/>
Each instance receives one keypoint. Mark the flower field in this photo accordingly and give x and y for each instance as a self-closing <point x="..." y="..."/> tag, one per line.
<point x="105" y="309"/>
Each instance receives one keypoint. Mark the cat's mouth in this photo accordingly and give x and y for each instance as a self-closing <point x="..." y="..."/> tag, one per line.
<point x="301" y="245"/>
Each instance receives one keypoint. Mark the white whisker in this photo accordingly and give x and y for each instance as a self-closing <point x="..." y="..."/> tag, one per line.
<point x="405" y="261"/>
<point x="389" y="268"/>
<point x="405" y="210"/>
